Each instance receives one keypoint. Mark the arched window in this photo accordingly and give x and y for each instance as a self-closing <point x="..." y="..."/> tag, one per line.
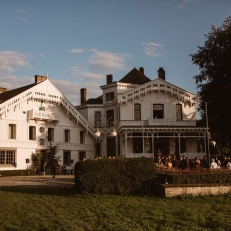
<point x="137" y="111"/>
<point x="158" y="111"/>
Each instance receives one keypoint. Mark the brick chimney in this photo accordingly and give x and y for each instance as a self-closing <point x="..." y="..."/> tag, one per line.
<point x="109" y="79"/>
<point x="83" y="96"/>
<point x="141" y="69"/>
<point x="161" y="73"/>
<point x="2" y="89"/>
<point x="39" y="78"/>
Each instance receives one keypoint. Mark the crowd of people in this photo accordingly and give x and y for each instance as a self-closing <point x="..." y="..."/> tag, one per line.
<point x="184" y="163"/>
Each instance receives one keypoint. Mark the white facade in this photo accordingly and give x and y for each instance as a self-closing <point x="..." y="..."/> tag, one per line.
<point x="155" y="116"/>
<point x="32" y="118"/>
<point x="172" y="129"/>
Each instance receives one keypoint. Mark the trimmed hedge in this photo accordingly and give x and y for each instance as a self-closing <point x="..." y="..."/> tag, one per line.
<point x="17" y="172"/>
<point x="118" y="176"/>
<point x="202" y="176"/>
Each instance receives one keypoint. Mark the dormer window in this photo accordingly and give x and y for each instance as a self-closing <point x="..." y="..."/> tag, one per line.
<point x="109" y="96"/>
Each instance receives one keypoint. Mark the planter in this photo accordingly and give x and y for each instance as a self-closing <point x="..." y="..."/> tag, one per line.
<point x="171" y="190"/>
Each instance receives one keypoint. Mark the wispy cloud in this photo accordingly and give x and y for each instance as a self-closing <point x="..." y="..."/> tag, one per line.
<point x="76" y="50"/>
<point x="77" y="72"/>
<point x="71" y="90"/>
<point x="183" y="3"/>
<point x="20" y="11"/>
<point x="11" y="60"/>
<point x="108" y="61"/>
<point x="12" y="82"/>
<point x="152" y="49"/>
<point x="23" y="19"/>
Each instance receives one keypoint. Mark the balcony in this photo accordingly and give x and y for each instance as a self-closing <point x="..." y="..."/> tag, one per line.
<point x="137" y="155"/>
<point x="157" y="123"/>
<point x="171" y="122"/>
<point x="42" y="115"/>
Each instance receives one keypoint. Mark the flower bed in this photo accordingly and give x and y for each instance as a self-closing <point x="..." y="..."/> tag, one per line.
<point x="200" y="176"/>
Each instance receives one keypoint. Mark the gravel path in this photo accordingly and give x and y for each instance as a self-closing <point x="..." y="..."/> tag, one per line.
<point x="38" y="181"/>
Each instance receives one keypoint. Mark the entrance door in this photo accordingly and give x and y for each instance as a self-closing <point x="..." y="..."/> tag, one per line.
<point x="82" y="155"/>
<point x="161" y="145"/>
<point x="138" y="142"/>
<point x="111" y="147"/>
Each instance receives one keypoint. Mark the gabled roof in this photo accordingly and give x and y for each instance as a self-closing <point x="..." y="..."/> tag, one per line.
<point x="12" y="93"/>
<point x="98" y="100"/>
<point x="135" y="77"/>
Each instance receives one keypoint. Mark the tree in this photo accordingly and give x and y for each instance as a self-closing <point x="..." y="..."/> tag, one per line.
<point x="51" y="153"/>
<point x="214" y="82"/>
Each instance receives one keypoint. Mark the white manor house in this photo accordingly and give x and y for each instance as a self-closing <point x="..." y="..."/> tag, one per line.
<point x="134" y="117"/>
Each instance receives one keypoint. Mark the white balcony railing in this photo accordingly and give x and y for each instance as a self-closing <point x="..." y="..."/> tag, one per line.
<point x="138" y="155"/>
<point x="156" y="122"/>
<point x="171" y="122"/>
<point x="42" y="115"/>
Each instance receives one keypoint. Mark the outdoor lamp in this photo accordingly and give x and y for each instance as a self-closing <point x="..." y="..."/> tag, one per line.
<point x="97" y="133"/>
<point x="113" y="132"/>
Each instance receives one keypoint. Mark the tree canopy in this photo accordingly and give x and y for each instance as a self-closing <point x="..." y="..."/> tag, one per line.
<point x="214" y="82"/>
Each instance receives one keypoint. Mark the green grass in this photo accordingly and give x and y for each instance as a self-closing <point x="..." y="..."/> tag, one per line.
<point x="43" y="209"/>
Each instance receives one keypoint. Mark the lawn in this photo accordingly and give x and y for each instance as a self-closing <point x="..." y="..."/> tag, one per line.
<point x="42" y="209"/>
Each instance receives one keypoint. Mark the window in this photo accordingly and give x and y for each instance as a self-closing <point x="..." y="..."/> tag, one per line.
<point x="137" y="111"/>
<point x="41" y="108"/>
<point x="158" y="111"/>
<point x="178" y="111"/>
<point x="97" y="118"/>
<point x="109" y="96"/>
<point x="67" y="136"/>
<point x="7" y="156"/>
<point x="12" y="131"/>
<point x="67" y="157"/>
<point x="51" y="134"/>
<point x="82" y="137"/>
<point x="41" y="141"/>
<point x="32" y="133"/>
<point x="41" y="129"/>
<point x="110" y="118"/>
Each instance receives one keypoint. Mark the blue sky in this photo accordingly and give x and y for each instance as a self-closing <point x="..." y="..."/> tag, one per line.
<point x="79" y="42"/>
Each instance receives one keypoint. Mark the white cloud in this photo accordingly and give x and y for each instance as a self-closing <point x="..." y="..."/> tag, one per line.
<point x="84" y="75"/>
<point x="152" y="49"/>
<point x="71" y="90"/>
<point x="20" y="11"/>
<point x="11" y="60"/>
<point x="76" y="50"/>
<point x="11" y="82"/>
<point x="108" y="61"/>
<point x="23" y="19"/>
<point x="183" y="3"/>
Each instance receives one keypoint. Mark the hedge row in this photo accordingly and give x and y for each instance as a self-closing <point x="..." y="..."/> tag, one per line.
<point x="17" y="172"/>
<point x="107" y="176"/>
<point x="199" y="177"/>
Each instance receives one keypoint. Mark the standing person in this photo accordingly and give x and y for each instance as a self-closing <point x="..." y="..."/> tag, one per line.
<point x="175" y="162"/>
<point x="204" y="162"/>
<point x="197" y="163"/>
<point x="54" y="164"/>
<point x="213" y="164"/>
<point x="229" y="163"/>
<point x="224" y="162"/>
<point x="137" y="150"/>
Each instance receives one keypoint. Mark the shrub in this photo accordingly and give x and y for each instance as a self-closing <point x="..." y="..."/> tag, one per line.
<point x="108" y="176"/>
<point x="24" y="172"/>
<point x="201" y="176"/>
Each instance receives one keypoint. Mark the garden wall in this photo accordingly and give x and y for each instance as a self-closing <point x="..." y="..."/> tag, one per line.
<point x="168" y="190"/>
